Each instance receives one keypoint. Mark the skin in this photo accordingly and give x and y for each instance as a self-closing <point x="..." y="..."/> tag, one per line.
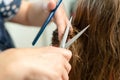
<point x="35" y="13"/>
<point x="47" y="63"/>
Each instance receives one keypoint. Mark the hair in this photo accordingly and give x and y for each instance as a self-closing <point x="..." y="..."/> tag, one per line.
<point x="96" y="54"/>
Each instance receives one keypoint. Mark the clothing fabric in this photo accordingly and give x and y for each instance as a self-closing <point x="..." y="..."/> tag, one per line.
<point x="8" y="8"/>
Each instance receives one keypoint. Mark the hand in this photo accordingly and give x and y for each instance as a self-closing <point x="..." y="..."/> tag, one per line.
<point x="45" y="7"/>
<point x="35" y="13"/>
<point x="60" y="17"/>
<point x="48" y="63"/>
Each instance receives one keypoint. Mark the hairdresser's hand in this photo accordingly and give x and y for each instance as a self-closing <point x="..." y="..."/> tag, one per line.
<point x="60" y="17"/>
<point x="48" y="63"/>
<point x="47" y="6"/>
<point x="35" y="13"/>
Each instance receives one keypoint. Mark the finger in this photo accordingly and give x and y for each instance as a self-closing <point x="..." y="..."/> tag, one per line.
<point x="63" y="69"/>
<point x="66" y="53"/>
<point x="61" y="28"/>
<point x="61" y="20"/>
<point x="65" y="75"/>
<point x="51" y="5"/>
<point x="67" y="66"/>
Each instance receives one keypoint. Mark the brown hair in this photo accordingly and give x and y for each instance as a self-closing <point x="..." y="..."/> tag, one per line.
<point x="96" y="54"/>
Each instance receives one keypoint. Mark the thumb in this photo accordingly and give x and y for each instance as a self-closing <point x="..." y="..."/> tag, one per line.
<point x="51" y="5"/>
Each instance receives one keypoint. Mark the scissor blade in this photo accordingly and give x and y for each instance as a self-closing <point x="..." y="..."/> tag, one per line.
<point x="76" y="37"/>
<point x="62" y="44"/>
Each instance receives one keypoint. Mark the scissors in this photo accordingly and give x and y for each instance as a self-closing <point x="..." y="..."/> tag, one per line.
<point x="63" y="43"/>
<point x="46" y="22"/>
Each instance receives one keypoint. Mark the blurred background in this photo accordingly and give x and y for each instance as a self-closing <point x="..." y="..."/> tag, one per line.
<point x="24" y="35"/>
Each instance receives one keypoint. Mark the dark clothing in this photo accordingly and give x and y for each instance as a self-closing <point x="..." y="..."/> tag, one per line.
<point x="8" y="8"/>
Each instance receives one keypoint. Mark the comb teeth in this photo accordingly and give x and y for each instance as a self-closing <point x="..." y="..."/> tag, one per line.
<point x="76" y="37"/>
